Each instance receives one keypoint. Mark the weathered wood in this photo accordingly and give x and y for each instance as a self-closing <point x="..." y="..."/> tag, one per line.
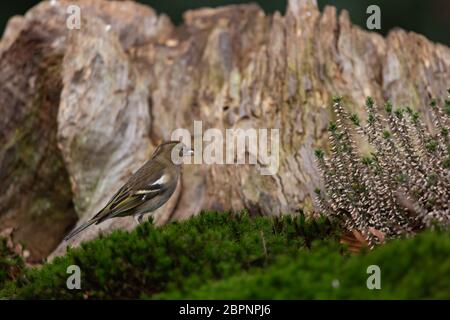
<point x="125" y="90"/>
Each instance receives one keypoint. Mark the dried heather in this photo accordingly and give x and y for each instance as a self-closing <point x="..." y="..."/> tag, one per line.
<point x="402" y="186"/>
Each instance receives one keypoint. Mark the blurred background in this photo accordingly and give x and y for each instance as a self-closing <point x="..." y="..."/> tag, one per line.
<point x="428" y="17"/>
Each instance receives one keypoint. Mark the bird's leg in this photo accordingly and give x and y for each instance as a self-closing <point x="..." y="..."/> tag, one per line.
<point x="138" y="218"/>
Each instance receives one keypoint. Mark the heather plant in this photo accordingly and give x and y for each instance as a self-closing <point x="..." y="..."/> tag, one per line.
<point x="402" y="186"/>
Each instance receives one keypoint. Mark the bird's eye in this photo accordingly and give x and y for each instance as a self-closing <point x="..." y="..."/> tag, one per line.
<point x="181" y="152"/>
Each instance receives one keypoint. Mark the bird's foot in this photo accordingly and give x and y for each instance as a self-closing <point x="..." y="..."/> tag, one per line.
<point x="139" y="218"/>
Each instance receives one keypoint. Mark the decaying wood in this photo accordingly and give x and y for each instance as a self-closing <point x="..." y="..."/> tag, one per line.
<point x="128" y="78"/>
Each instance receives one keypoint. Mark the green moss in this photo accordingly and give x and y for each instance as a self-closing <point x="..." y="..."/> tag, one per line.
<point x="416" y="268"/>
<point x="11" y="264"/>
<point x="149" y="260"/>
<point x="233" y="256"/>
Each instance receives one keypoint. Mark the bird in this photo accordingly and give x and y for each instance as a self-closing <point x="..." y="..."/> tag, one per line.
<point x="147" y="189"/>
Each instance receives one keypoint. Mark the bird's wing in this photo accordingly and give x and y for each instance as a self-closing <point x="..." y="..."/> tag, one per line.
<point x="131" y="196"/>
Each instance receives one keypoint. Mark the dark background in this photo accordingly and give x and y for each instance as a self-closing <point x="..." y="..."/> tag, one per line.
<point x="428" y="17"/>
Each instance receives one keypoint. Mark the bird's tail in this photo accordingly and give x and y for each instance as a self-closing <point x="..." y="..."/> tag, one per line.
<point x="81" y="228"/>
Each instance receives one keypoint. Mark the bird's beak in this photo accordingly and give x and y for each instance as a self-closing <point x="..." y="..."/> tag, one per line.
<point x="189" y="152"/>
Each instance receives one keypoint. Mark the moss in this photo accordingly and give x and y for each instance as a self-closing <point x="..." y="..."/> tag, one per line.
<point x="233" y="256"/>
<point x="416" y="268"/>
<point x="11" y="264"/>
<point x="148" y="261"/>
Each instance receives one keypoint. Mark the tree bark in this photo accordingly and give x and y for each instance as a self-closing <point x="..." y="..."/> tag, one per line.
<point x="128" y="78"/>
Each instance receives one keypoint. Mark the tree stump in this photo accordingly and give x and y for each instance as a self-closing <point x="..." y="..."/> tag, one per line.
<point x="83" y="108"/>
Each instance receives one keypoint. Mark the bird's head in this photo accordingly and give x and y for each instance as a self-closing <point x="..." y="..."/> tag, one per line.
<point x="173" y="151"/>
